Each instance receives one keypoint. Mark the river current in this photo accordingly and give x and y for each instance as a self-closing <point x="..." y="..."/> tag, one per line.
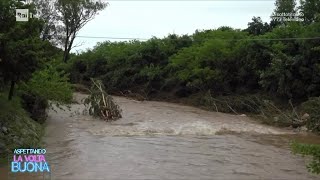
<point x="158" y="140"/>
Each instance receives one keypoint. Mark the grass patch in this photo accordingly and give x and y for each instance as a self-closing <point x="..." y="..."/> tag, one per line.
<point x="17" y="129"/>
<point x="312" y="150"/>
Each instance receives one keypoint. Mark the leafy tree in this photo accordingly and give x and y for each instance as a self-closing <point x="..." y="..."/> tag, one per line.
<point x="75" y="14"/>
<point x="293" y="72"/>
<point x="20" y="45"/>
<point x="257" y="27"/>
<point x="51" y="29"/>
<point x="310" y="10"/>
<point x="253" y="57"/>
<point x="211" y="64"/>
<point x="50" y="84"/>
<point x="284" y="9"/>
<point x="285" y="6"/>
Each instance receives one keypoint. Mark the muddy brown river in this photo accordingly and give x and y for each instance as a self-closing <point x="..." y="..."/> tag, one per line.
<point x="158" y="140"/>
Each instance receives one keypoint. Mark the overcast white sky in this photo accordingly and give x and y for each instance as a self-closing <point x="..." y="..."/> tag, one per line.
<point x="144" y="19"/>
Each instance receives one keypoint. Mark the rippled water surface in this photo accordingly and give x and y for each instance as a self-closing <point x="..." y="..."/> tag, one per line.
<point x="156" y="140"/>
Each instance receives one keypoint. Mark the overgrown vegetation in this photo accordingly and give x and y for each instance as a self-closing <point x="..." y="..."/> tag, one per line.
<point x="312" y="107"/>
<point x="309" y="150"/>
<point x="50" y="84"/>
<point x="46" y="87"/>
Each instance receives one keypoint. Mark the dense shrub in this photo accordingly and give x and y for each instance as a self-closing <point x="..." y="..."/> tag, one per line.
<point x="35" y="105"/>
<point x="312" y="107"/>
<point x="49" y="84"/>
<point x="46" y="85"/>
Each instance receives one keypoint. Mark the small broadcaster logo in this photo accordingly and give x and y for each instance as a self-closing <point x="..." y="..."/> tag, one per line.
<point x="24" y="15"/>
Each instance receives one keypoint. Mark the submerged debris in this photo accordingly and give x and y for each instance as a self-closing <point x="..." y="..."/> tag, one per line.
<point x="100" y="104"/>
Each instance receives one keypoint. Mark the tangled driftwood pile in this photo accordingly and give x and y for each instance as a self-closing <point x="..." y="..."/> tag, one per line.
<point x="100" y="104"/>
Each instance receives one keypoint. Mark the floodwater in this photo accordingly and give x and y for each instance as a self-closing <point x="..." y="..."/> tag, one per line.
<point x="158" y="140"/>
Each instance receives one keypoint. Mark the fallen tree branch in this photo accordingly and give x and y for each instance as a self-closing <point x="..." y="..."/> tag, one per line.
<point x="100" y="104"/>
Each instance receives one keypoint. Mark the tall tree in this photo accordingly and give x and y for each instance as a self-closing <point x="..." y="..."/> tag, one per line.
<point x="20" y="45"/>
<point x="47" y="13"/>
<point x="75" y="14"/>
<point x="257" y="27"/>
<point x="283" y="7"/>
<point x="311" y="10"/>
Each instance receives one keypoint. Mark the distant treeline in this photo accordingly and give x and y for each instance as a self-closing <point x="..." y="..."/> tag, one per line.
<point x="283" y="61"/>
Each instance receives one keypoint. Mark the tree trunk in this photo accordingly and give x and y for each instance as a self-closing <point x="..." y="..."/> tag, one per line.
<point x="65" y="56"/>
<point x="11" y="90"/>
<point x="68" y="47"/>
<point x="66" y="53"/>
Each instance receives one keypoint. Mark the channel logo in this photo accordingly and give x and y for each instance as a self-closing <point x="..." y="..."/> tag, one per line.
<point x="23" y="15"/>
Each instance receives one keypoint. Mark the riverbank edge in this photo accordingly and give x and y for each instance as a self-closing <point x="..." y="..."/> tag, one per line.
<point x="17" y="128"/>
<point x="193" y="101"/>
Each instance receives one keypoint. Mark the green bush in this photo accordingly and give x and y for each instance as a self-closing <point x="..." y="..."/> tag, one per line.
<point x="35" y="105"/>
<point x="312" y="107"/>
<point x="49" y="84"/>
